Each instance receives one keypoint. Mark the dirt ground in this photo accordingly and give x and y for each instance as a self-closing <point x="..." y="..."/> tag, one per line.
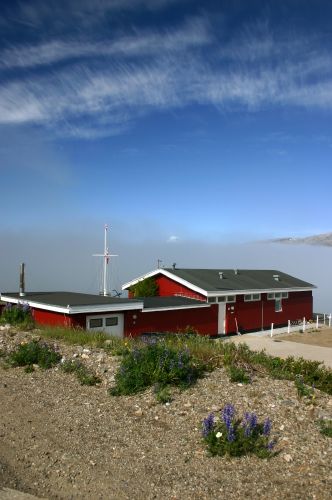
<point x="321" y="338"/>
<point x="61" y="440"/>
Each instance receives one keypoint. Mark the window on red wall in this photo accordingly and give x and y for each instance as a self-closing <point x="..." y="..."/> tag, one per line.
<point x="278" y="305"/>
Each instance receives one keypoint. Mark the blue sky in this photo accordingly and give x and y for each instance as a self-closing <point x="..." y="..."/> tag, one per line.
<point x="172" y="120"/>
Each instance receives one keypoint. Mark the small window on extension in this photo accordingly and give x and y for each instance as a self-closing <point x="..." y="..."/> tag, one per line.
<point x="95" y="323"/>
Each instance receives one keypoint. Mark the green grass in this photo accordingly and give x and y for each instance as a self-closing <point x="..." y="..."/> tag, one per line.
<point x="74" y="336"/>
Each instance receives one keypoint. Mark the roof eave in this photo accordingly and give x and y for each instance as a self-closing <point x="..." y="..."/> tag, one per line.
<point x="76" y="309"/>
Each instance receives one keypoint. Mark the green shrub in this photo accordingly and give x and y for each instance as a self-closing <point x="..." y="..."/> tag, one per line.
<point x="145" y="288"/>
<point x="34" y="353"/>
<point x="228" y="435"/>
<point x="155" y="363"/>
<point x="84" y="376"/>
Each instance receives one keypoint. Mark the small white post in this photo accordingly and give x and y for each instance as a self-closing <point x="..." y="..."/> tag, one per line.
<point x="303" y="325"/>
<point x="324" y="318"/>
<point x="330" y="320"/>
<point x="272" y="329"/>
<point x="317" y="323"/>
<point x="288" y="328"/>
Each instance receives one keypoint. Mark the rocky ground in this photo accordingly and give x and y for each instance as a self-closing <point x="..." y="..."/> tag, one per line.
<point x="61" y="440"/>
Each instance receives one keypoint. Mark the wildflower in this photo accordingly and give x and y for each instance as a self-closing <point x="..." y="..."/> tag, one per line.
<point x="270" y="445"/>
<point x="249" y="423"/>
<point x="227" y="415"/>
<point x="208" y="424"/>
<point x="231" y="434"/>
<point x="218" y="435"/>
<point x="267" y="427"/>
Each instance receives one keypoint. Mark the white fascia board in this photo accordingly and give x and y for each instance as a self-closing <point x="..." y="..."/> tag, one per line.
<point x="160" y="309"/>
<point x="75" y="309"/>
<point x="268" y="290"/>
<point x="172" y="276"/>
<point x="140" y="278"/>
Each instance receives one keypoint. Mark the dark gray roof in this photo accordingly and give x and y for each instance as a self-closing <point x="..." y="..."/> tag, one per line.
<point x="241" y="279"/>
<point x="63" y="299"/>
<point x="166" y="302"/>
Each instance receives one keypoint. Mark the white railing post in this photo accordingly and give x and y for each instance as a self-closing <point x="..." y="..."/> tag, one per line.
<point x="324" y="318"/>
<point x="272" y="329"/>
<point x="288" y="328"/>
<point x="317" y="323"/>
<point x="303" y="325"/>
<point x="330" y="320"/>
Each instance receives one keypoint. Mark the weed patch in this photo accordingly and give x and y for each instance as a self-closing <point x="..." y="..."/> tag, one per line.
<point x="84" y="376"/>
<point x="326" y="427"/>
<point x="238" y="374"/>
<point x="34" y="353"/>
<point x="303" y="390"/>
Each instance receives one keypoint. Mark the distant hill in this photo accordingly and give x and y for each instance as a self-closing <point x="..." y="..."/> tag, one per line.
<point x="324" y="239"/>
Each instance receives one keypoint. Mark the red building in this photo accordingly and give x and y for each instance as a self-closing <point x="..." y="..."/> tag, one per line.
<point x="245" y="299"/>
<point x="212" y="301"/>
<point x="115" y="316"/>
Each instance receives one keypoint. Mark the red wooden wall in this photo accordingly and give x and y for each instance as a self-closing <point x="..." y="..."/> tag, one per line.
<point x="169" y="287"/>
<point x="204" y="320"/>
<point x="255" y="315"/>
<point x="52" y="318"/>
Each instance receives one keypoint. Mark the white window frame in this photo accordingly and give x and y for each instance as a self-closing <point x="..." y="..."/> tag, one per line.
<point x="277" y="295"/>
<point x="252" y="297"/>
<point x="222" y="299"/>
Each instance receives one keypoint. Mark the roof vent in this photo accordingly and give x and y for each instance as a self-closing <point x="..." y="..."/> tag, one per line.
<point x="221" y="275"/>
<point x="276" y="277"/>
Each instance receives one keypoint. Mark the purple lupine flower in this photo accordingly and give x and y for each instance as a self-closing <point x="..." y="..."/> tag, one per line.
<point x="208" y="424"/>
<point x="227" y="414"/>
<point x="249" y="423"/>
<point x="231" y="434"/>
<point x="267" y="427"/>
<point x="270" y="445"/>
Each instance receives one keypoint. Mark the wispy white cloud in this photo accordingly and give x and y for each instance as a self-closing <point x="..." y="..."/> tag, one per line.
<point x="194" y="33"/>
<point x="101" y="88"/>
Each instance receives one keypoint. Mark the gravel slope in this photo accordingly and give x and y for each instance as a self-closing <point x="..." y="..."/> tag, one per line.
<point x="59" y="439"/>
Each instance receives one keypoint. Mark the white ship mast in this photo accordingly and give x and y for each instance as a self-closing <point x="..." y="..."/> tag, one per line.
<point x="107" y="256"/>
